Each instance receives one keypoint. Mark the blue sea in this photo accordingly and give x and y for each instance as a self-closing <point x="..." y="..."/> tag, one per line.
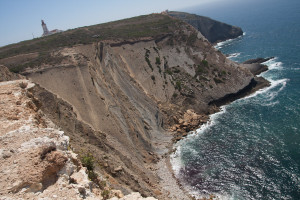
<point x="251" y="148"/>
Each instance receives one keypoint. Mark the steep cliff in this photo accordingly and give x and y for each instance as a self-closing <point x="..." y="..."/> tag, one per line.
<point x="213" y="30"/>
<point x="116" y="91"/>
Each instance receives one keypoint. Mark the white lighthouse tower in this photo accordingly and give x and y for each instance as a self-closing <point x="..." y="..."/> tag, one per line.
<point x="45" y="29"/>
<point x="47" y="32"/>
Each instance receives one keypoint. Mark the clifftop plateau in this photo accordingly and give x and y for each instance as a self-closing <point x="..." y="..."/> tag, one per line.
<point x="121" y="91"/>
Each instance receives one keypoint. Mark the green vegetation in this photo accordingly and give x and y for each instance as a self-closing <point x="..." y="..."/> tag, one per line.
<point x="176" y="71"/>
<point x="192" y="39"/>
<point x="155" y="49"/>
<point x="42" y="58"/>
<point x="157" y="61"/>
<point x="87" y="161"/>
<point x="217" y="81"/>
<point x="105" y="194"/>
<point x="165" y="63"/>
<point x="178" y="85"/>
<point x="168" y="71"/>
<point x="201" y="68"/>
<point x="153" y="25"/>
<point x="204" y="63"/>
<point x="153" y="77"/>
<point x="147" y="53"/>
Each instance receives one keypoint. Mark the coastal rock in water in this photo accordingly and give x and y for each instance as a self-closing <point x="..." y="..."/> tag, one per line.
<point x="257" y="60"/>
<point x="189" y="122"/>
<point x="255" y="66"/>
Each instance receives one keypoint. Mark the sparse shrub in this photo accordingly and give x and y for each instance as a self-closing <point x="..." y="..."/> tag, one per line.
<point x="175" y="95"/>
<point x="217" y="81"/>
<point x="157" y="61"/>
<point x="176" y="70"/>
<point x="159" y="69"/>
<point x="105" y="194"/>
<point x="88" y="161"/>
<point x="102" y="184"/>
<point x="178" y="85"/>
<point x="205" y="63"/>
<point x="153" y="77"/>
<point x="17" y="69"/>
<point x="203" y="78"/>
<point x="147" y="53"/>
<point x="155" y="49"/>
<point x="192" y="39"/>
<point x="168" y="71"/>
<point x="23" y="85"/>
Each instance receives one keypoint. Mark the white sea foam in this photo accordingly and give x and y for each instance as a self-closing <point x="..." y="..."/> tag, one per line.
<point x="220" y="45"/>
<point x="273" y="64"/>
<point x="234" y="55"/>
<point x="270" y="93"/>
<point x="175" y="158"/>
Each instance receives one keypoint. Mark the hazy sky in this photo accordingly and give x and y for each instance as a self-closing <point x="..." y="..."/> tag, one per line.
<point x="21" y="19"/>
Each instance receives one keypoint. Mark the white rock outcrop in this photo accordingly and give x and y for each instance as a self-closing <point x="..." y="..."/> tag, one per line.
<point x="35" y="162"/>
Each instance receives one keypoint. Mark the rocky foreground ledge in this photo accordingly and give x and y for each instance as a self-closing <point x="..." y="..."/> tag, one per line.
<point x="35" y="156"/>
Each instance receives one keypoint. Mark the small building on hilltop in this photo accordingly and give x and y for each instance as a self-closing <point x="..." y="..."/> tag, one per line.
<point x="46" y="32"/>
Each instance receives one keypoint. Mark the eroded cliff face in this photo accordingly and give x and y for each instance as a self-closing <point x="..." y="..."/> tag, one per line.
<point x="117" y="98"/>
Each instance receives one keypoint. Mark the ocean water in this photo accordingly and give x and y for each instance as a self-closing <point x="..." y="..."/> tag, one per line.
<point x="251" y="149"/>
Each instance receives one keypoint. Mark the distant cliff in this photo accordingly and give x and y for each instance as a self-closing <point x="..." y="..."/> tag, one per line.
<point x="213" y="30"/>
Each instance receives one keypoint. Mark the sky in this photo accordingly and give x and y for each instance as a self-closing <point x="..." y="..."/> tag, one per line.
<point x="21" y="19"/>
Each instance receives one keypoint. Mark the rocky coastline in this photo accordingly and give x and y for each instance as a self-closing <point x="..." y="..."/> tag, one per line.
<point x="192" y="121"/>
<point x="126" y="101"/>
